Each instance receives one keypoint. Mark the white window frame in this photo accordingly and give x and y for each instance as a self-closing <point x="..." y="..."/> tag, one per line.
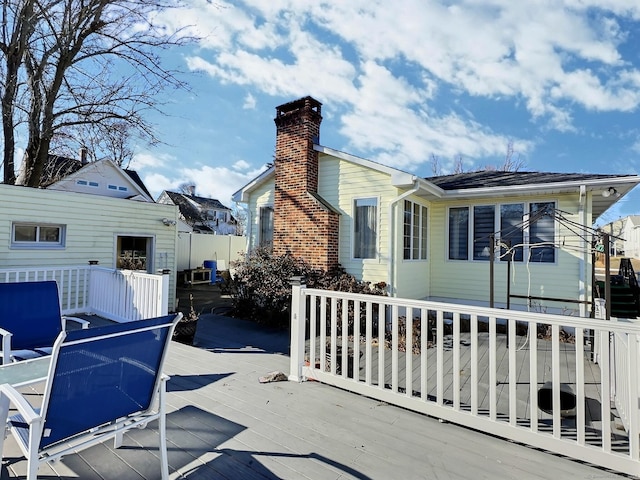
<point x="527" y="248"/>
<point x="260" y="240"/>
<point x="39" y="243"/>
<point x="421" y="237"/>
<point x="376" y="204"/>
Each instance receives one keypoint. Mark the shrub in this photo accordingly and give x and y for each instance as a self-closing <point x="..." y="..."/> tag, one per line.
<point x="262" y="289"/>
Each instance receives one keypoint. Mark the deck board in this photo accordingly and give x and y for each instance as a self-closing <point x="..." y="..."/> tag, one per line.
<point x="224" y="424"/>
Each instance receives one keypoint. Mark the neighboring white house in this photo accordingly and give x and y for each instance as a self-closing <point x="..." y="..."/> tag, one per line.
<point x="203" y="215"/>
<point x="429" y="237"/>
<point x="42" y="227"/>
<point x="631" y="236"/>
<point x="103" y="177"/>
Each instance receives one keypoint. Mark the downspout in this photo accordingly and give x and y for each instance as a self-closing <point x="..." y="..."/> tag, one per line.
<point x="583" y="282"/>
<point x="392" y="231"/>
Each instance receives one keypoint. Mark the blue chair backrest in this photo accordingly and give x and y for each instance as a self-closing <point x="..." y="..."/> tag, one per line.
<point x="102" y="374"/>
<point x="31" y="312"/>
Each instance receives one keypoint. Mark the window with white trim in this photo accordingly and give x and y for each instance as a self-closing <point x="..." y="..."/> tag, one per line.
<point x="415" y="231"/>
<point x="520" y="237"/>
<point x="37" y="235"/>
<point x="365" y="227"/>
<point x="265" y="226"/>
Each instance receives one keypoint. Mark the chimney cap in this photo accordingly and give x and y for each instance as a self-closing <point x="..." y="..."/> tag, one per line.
<point x="302" y="103"/>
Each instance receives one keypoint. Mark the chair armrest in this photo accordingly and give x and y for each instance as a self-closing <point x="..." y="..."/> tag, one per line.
<point x="6" y="346"/>
<point x="84" y="323"/>
<point x="25" y="408"/>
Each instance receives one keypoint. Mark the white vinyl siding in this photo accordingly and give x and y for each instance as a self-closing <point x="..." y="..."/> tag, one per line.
<point x="339" y="184"/>
<point x="88" y="236"/>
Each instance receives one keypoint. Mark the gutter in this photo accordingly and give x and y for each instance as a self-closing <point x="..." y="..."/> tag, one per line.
<point x="392" y="231"/>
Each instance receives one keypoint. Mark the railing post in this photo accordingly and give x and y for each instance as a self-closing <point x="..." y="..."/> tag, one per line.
<point x="164" y="307"/>
<point x="297" y="329"/>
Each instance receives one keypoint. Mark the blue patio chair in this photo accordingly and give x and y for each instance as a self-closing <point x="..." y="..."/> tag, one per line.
<point x="30" y="319"/>
<point x="102" y="382"/>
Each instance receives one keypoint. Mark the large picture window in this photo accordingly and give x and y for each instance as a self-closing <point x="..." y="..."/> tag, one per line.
<point x="365" y="227"/>
<point x="37" y="235"/>
<point x="266" y="227"/>
<point x="523" y="232"/>
<point x="415" y="231"/>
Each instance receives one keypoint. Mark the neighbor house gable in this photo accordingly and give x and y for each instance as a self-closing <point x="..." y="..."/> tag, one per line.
<point x="105" y="178"/>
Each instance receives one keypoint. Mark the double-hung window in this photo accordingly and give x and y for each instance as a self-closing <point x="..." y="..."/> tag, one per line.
<point x="415" y="231"/>
<point x="365" y="228"/>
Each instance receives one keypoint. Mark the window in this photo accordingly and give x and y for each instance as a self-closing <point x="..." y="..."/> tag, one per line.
<point x="266" y="227"/>
<point x="82" y="182"/>
<point x="112" y="187"/>
<point x="459" y="233"/>
<point x="365" y="227"/>
<point x="521" y="237"/>
<point x="35" y="235"/>
<point x="134" y="253"/>
<point x="483" y="227"/>
<point x="93" y="184"/>
<point x="511" y="232"/>
<point x="415" y="231"/>
<point x="542" y="232"/>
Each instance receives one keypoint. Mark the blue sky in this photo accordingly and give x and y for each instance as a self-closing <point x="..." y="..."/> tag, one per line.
<point x="403" y="82"/>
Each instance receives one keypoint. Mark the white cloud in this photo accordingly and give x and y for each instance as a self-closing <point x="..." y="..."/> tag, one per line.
<point x="249" y="102"/>
<point x="382" y="73"/>
<point x="147" y="160"/>
<point x="217" y="182"/>
<point x="241" y="165"/>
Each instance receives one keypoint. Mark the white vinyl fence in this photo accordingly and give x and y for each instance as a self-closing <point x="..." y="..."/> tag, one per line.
<point x="193" y="249"/>
<point x="119" y="295"/>
<point x="525" y="377"/>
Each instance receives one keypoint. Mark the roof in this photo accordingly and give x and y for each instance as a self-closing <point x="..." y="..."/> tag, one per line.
<point x="191" y="206"/>
<point x="133" y="175"/>
<point x="494" y="178"/>
<point x="57" y="168"/>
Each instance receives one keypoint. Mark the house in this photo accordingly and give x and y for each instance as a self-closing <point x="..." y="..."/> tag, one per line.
<point x="203" y="215"/>
<point x="45" y="227"/>
<point x="631" y="236"/>
<point x="102" y="177"/>
<point x="429" y="238"/>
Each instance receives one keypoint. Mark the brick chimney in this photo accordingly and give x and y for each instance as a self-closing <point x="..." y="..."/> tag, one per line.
<point x="303" y="224"/>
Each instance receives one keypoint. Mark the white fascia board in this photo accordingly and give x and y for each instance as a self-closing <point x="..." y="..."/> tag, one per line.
<point x="242" y="195"/>
<point x="541" y="188"/>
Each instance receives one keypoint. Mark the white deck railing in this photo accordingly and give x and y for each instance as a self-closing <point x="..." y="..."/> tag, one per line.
<point x="523" y="376"/>
<point x="119" y="295"/>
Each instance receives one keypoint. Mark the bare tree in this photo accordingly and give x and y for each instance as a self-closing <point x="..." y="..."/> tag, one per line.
<point x="512" y="162"/>
<point x="16" y="29"/>
<point x="86" y="66"/>
<point x="241" y="217"/>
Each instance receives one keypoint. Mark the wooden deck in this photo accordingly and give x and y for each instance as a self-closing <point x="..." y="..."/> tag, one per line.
<point x="224" y="424"/>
